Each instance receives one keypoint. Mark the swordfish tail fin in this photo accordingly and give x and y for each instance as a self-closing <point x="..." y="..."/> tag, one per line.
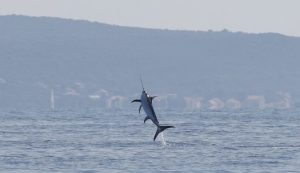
<point x="161" y="129"/>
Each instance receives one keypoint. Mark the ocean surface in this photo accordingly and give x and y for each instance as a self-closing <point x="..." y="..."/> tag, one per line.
<point x="118" y="141"/>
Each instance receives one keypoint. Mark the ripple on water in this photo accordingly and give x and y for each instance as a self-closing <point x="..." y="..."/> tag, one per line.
<point x="95" y="141"/>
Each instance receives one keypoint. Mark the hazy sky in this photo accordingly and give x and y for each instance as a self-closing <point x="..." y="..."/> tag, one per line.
<point x="282" y="16"/>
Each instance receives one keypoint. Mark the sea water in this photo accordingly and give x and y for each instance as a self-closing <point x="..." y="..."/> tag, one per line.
<point x="118" y="141"/>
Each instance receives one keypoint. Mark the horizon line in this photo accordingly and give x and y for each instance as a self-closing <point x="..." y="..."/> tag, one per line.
<point x="147" y="28"/>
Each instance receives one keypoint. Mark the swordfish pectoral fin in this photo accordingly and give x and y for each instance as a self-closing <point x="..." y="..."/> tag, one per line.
<point x="161" y="129"/>
<point x="136" y="100"/>
<point x="140" y="108"/>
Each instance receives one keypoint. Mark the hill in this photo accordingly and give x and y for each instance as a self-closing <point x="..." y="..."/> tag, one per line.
<point x="98" y="65"/>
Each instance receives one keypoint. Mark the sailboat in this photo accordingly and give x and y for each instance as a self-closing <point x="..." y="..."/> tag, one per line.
<point x="52" y="106"/>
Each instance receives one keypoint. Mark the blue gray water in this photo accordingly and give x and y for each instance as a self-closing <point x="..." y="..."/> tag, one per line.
<point x="118" y="141"/>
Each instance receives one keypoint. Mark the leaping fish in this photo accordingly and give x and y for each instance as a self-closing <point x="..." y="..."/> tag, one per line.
<point x="146" y="103"/>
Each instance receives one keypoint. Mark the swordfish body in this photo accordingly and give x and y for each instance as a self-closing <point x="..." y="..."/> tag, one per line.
<point x="146" y="103"/>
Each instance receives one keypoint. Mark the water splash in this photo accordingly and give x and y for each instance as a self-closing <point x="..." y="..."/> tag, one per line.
<point x="163" y="141"/>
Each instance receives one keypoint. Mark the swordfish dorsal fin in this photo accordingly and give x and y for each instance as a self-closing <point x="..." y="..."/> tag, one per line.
<point x="152" y="97"/>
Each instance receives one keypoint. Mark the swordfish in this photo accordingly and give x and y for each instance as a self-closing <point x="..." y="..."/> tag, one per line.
<point x="146" y="103"/>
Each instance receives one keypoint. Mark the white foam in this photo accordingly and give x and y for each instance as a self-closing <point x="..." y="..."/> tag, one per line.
<point x="163" y="141"/>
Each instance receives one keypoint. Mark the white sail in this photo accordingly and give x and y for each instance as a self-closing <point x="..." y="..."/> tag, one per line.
<point x="52" y="106"/>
